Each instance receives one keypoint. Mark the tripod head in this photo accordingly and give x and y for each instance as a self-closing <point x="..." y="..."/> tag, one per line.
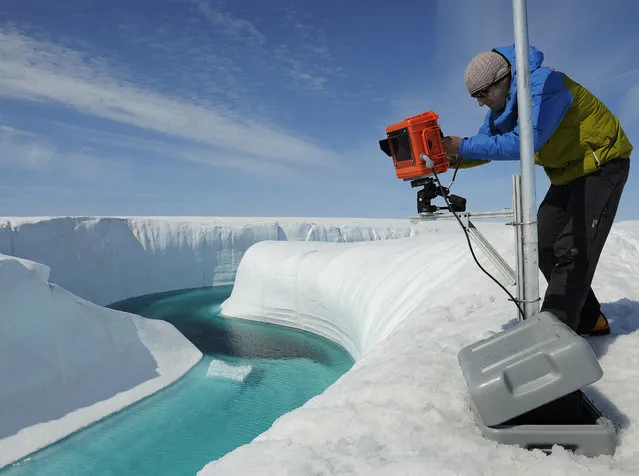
<point x="430" y="191"/>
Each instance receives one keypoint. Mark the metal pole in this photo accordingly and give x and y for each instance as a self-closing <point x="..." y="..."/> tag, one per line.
<point x="519" y="242"/>
<point x="530" y="260"/>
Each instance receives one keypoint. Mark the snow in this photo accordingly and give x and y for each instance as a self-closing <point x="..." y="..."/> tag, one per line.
<point x="404" y="309"/>
<point x="402" y="299"/>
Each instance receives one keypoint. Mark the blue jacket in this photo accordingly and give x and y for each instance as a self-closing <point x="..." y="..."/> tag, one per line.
<point x="498" y="137"/>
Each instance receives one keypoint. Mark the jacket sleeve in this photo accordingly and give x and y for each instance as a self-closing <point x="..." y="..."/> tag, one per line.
<point x="550" y="101"/>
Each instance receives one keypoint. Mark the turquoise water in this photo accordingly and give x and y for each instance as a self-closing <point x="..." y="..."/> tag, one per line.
<point x="199" y="418"/>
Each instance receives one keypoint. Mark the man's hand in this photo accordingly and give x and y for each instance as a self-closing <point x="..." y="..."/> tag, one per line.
<point x="451" y="145"/>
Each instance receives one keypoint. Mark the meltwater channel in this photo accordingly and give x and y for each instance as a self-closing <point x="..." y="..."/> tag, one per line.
<point x="251" y="374"/>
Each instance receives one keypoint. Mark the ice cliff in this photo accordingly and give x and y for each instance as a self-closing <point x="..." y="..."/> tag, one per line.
<point x="108" y="259"/>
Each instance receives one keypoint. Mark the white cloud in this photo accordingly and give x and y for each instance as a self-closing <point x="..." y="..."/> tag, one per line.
<point x="236" y="28"/>
<point x="19" y="150"/>
<point x="159" y="149"/>
<point x="26" y="150"/>
<point x="215" y="42"/>
<point x="4" y="129"/>
<point x="625" y="75"/>
<point x="43" y="72"/>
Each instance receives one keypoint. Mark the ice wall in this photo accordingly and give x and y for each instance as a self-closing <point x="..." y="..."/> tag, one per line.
<point x="108" y="259"/>
<point x="65" y="362"/>
<point x="354" y="294"/>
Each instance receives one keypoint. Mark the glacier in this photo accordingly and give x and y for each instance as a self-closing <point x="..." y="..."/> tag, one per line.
<point x="66" y="361"/>
<point x="402" y="299"/>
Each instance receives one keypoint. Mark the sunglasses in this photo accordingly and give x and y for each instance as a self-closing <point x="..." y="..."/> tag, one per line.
<point x="482" y="93"/>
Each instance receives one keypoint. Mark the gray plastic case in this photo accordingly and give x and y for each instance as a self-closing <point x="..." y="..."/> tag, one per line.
<point x="520" y="369"/>
<point x="530" y="368"/>
<point x="597" y="438"/>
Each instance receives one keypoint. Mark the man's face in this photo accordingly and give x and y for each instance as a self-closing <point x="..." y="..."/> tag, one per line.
<point x="495" y="95"/>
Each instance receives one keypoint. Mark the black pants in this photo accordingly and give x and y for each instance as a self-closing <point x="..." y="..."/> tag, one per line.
<point x="573" y="223"/>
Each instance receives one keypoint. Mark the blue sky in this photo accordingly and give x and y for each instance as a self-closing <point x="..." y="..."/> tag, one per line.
<point x="246" y="108"/>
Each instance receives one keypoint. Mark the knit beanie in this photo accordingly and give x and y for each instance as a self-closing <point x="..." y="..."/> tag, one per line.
<point x="485" y="69"/>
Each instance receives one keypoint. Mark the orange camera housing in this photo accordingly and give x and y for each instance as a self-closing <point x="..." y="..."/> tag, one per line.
<point x="406" y="141"/>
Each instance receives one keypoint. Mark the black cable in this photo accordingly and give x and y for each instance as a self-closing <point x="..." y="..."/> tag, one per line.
<point x="454" y="174"/>
<point x="472" y="252"/>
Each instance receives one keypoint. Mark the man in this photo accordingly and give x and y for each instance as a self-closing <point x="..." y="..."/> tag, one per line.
<point x="586" y="156"/>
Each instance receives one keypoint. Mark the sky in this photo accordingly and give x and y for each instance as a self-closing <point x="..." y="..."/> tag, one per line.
<point x="220" y="108"/>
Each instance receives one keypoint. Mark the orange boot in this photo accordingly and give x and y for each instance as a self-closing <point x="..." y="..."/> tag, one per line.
<point x="601" y="327"/>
